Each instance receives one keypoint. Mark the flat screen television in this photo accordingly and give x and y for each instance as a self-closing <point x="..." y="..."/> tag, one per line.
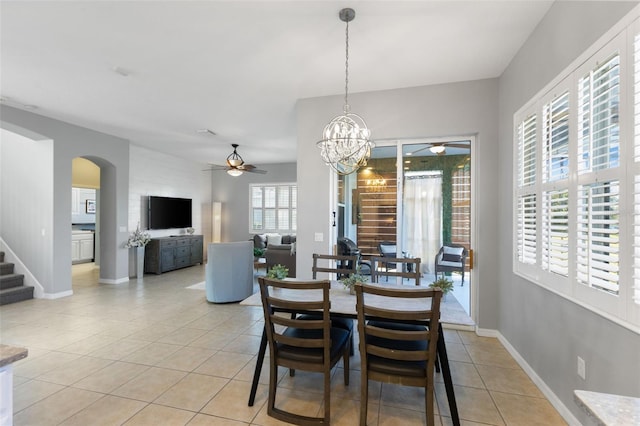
<point x="166" y="212"/>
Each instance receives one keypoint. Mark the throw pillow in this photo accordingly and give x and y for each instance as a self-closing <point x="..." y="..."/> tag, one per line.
<point x="274" y="239"/>
<point x="452" y="254"/>
<point x="260" y="241"/>
<point x="293" y="249"/>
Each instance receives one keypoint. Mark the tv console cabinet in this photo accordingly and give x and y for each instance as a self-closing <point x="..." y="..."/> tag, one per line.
<point x="168" y="253"/>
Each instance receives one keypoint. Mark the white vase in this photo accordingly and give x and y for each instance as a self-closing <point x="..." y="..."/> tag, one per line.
<point x="140" y="262"/>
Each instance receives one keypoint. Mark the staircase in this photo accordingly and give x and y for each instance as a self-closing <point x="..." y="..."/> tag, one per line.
<point x="12" y="288"/>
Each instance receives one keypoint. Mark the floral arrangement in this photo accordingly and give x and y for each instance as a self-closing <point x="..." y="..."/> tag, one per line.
<point x="278" y="272"/>
<point x="138" y="238"/>
<point x="350" y="281"/>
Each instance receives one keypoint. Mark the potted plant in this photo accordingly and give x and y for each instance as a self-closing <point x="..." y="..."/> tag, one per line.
<point x="138" y="240"/>
<point x="278" y="272"/>
<point x="444" y="284"/>
<point x="350" y="281"/>
<point x="258" y="253"/>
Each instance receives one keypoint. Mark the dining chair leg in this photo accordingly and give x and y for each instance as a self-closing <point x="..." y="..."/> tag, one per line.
<point x="428" y="395"/>
<point x="364" y="397"/>
<point x="327" y="397"/>
<point x="273" y="382"/>
<point x="345" y="363"/>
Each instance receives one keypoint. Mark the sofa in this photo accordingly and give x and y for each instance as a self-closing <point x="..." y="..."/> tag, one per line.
<point x="278" y="250"/>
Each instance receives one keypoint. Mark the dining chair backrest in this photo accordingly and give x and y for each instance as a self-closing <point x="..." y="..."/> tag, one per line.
<point x="340" y="265"/>
<point x="404" y="267"/>
<point x="304" y="344"/>
<point x="398" y="341"/>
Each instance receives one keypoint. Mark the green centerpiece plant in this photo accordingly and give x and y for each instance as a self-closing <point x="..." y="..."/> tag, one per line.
<point x="444" y="284"/>
<point x="278" y="272"/>
<point x="350" y="281"/>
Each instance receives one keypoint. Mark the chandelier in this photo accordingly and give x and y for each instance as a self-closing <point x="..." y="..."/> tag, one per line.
<point x="346" y="144"/>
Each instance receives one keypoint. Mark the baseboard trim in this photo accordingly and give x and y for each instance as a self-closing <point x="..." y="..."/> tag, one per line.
<point x="56" y="295"/>
<point x="566" y="414"/>
<point x="116" y="281"/>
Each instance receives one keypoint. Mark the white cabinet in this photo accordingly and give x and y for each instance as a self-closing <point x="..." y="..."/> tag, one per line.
<point x="81" y="246"/>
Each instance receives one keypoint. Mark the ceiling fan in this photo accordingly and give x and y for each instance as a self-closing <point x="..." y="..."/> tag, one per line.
<point x="440" y="148"/>
<point x="235" y="164"/>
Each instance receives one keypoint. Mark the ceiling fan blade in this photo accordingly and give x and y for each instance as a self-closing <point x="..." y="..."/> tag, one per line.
<point x="216" y="167"/>
<point x="262" y="172"/>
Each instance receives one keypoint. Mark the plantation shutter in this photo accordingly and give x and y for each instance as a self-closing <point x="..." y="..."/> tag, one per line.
<point x="636" y="200"/>
<point x="526" y="238"/>
<point x="555" y="232"/>
<point x="598" y="236"/>
<point x="555" y="154"/>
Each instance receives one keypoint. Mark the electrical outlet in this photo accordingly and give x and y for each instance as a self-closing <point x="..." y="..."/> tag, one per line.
<point x="582" y="368"/>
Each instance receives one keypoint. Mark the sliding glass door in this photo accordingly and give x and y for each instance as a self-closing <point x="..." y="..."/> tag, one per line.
<point x="414" y="193"/>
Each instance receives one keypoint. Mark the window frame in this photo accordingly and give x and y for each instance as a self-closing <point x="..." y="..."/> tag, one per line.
<point x="292" y="188"/>
<point x="620" y="308"/>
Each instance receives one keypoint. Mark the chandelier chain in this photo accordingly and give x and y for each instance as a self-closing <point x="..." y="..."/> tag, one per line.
<point x="346" y="71"/>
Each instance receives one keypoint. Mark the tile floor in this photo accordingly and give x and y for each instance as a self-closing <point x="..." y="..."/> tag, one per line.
<point x="152" y="352"/>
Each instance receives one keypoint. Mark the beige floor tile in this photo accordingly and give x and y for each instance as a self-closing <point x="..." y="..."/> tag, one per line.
<point x="75" y="370"/>
<point x="150" y="384"/>
<point x="213" y="340"/>
<point x="509" y="380"/>
<point x="183" y="336"/>
<point x="89" y="344"/>
<point x="159" y="415"/>
<point x="471" y="338"/>
<point x="152" y="354"/>
<point x="404" y="397"/>
<point x="188" y="358"/>
<point x="56" y="408"/>
<point x="31" y="392"/>
<point x="224" y="364"/>
<point x="490" y="354"/>
<point x="119" y="349"/>
<point x="391" y="416"/>
<point x="154" y="332"/>
<point x="518" y="410"/>
<point x="231" y="402"/>
<point x="451" y="336"/>
<point x="193" y="392"/>
<point x="474" y="405"/>
<point x="111" y="377"/>
<point x="463" y="374"/>
<point x="109" y="410"/>
<point x="35" y="367"/>
<point x="457" y="352"/>
<point x="243" y="344"/>
<point x="207" y="420"/>
<point x="294" y="401"/>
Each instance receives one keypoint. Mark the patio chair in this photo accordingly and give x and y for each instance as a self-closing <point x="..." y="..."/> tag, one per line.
<point x="393" y="347"/>
<point x="301" y="344"/>
<point x="405" y="267"/>
<point x="451" y="258"/>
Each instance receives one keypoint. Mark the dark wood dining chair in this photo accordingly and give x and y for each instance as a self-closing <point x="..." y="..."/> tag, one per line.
<point x="394" y="346"/>
<point x="405" y="267"/>
<point x="296" y="344"/>
<point x="341" y="265"/>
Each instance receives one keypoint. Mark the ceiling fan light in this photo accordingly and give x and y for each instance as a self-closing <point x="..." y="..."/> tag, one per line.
<point x="234" y="162"/>
<point x="437" y="149"/>
<point x="234" y="172"/>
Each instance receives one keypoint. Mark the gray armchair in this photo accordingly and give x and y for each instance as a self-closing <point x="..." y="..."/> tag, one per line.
<point x="229" y="272"/>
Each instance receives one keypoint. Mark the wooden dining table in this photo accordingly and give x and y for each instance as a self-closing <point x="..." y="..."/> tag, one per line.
<point x="343" y="304"/>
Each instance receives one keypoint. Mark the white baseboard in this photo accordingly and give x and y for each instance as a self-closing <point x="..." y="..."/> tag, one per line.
<point x="566" y="414"/>
<point x="116" y="281"/>
<point x="56" y="295"/>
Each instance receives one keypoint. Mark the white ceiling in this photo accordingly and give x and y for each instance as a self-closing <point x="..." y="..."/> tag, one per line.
<point x="238" y="67"/>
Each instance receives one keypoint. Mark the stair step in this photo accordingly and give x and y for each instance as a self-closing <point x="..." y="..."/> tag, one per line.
<point x="11" y="281"/>
<point x="15" y="294"/>
<point x="6" y="268"/>
<point x="1" y="256"/>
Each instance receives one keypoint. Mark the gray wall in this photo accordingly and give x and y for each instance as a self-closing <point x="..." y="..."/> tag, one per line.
<point x="68" y="141"/>
<point x="233" y="192"/>
<point x="548" y="331"/>
<point x="467" y="108"/>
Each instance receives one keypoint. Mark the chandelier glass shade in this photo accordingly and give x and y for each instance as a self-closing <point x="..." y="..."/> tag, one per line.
<point x="346" y="144"/>
<point x="437" y="149"/>
<point x="234" y="172"/>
